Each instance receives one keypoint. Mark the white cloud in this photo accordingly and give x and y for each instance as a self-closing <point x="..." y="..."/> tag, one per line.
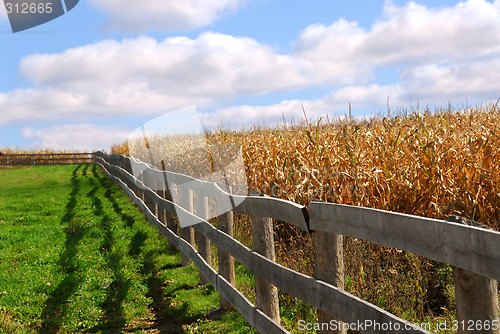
<point x="431" y="85"/>
<point x="247" y="115"/>
<point x="58" y="104"/>
<point x="142" y="76"/>
<point x="331" y="105"/>
<point x="212" y="65"/>
<point x="164" y="15"/>
<point x="80" y="137"/>
<point x="329" y="53"/>
<point x="412" y="34"/>
<point x="444" y="54"/>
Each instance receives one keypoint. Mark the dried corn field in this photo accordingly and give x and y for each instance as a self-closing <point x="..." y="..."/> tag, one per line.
<point x="430" y="164"/>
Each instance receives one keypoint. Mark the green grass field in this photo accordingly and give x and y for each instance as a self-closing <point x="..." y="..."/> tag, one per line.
<point x="76" y="256"/>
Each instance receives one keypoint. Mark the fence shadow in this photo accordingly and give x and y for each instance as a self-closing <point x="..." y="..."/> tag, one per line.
<point x="118" y="289"/>
<point x="55" y="307"/>
<point x="160" y="302"/>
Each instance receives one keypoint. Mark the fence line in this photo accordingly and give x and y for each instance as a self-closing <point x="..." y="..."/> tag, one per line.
<point x="275" y="208"/>
<point x="27" y="159"/>
<point x="258" y="319"/>
<point x="473" y="250"/>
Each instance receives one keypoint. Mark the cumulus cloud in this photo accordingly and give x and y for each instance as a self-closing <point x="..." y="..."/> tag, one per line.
<point x="56" y="104"/>
<point x="79" y="137"/>
<point x="212" y="65"/>
<point x="408" y="35"/>
<point x="430" y="84"/>
<point x="478" y="80"/>
<point x="440" y="55"/>
<point x="164" y="15"/>
<point x="146" y="77"/>
<point x="330" y="52"/>
<point x="247" y="115"/>
<point x="332" y="105"/>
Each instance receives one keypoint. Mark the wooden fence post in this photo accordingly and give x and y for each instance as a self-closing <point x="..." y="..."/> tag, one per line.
<point x="187" y="233"/>
<point x="329" y="267"/>
<point x="127" y="165"/>
<point x="135" y="187"/>
<point x="171" y="225"/>
<point x="201" y="205"/>
<point x="149" y="181"/>
<point x="226" y="261"/>
<point x="140" y="191"/>
<point x="162" y="214"/>
<point x="154" y="186"/>
<point x="116" y="172"/>
<point x="476" y="297"/>
<point x="263" y="243"/>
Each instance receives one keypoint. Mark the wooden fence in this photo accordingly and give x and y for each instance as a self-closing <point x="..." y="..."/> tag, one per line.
<point x="473" y="250"/>
<point x="25" y="159"/>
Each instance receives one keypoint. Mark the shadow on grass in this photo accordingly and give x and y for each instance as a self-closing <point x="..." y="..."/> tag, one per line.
<point x="160" y="305"/>
<point x="55" y="307"/>
<point x="169" y="316"/>
<point x="113" y="319"/>
<point x="106" y="183"/>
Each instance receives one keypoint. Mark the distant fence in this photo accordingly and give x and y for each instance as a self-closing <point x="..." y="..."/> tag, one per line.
<point x="25" y="159"/>
<point x="473" y="250"/>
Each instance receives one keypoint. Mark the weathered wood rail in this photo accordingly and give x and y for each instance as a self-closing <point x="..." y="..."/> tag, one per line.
<point x="25" y="159"/>
<point x="474" y="251"/>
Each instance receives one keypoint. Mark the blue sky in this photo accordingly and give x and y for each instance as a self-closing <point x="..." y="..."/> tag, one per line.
<point x="87" y="79"/>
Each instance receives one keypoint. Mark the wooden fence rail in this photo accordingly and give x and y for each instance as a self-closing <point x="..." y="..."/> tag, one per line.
<point x="471" y="249"/>
<point x="26" y="159"/>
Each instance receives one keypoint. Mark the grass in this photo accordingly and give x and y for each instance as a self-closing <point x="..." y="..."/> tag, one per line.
<point x="76" y="257"/>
